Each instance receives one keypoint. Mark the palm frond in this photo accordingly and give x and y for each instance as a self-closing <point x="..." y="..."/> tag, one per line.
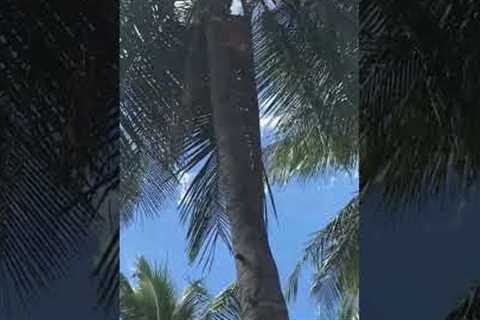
<point x="152" y="298"/>
<point x="149" y="116"/>
<point x="192" y="302"/>
<point x="58" y="161"/>
<point x="333" y="253"/>
<point x="106" y="270"/>
<point x="224" y="306"/>
<point x="306" y="68"/>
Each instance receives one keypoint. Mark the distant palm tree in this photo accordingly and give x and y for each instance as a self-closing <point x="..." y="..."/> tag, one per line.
<point x="154" y="298"/>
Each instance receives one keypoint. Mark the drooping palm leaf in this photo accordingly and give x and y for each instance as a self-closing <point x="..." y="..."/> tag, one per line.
<point x="152" y="45"/>
<point x="333" y="252"/>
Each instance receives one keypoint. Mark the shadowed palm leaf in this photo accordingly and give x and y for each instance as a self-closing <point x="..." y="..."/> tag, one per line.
<point x="58" y="160"/>
<point x="419" y="94"/>
<point x="151" y="55"/>
<point x="418" y="85"/>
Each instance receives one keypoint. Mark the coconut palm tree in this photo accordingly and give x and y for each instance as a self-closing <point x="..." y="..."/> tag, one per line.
<point x="209" y="101"/>
<point x="153" y="297"/>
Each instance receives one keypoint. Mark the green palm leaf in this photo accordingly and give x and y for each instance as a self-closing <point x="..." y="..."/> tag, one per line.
<point x="154" y="297"/>
<point x="306" y="67"/>
<point x="224" y="306"/>
<point x="333" y="252"/>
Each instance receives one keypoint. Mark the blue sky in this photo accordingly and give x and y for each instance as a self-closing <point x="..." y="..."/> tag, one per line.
<point x="303" y="208"/>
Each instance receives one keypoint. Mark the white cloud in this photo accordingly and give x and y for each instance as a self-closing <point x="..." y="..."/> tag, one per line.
<point x="236" y="8"/>
<point x="184" y="184"/>
<point x="268" y="122"/>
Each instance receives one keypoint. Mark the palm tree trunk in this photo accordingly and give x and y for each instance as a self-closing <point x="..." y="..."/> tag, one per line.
<point x="236" y="124"/>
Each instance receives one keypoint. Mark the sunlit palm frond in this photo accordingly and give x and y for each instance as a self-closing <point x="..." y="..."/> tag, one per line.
<point x="308" y="153"/>
<point x="307" y="78"/>
<point x="204" y="211"/>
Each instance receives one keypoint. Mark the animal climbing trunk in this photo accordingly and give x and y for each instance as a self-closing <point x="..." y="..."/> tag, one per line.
<point x="237" y="131"/>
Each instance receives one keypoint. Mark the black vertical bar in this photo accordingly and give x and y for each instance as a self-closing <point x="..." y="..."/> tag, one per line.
<point x="59" y="159"/>
<point x="420" y="221"/>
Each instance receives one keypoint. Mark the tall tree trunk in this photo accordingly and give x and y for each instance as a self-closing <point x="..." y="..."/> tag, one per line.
<point x="237" y="130"/>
